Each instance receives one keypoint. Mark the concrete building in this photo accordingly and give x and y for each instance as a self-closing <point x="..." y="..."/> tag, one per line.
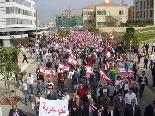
<point x="144" y="10"/>
<point x="16" y="14"/>
<point x="68" y="20"/>
<point x="51" y="24"/>
<point x="104" y="14"/>
<point x="131" y="13"/>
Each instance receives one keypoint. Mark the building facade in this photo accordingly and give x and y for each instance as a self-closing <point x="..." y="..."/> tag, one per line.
<point x="51" y="24"/>
<point x="68" y="21"/>
<point x="144" y="10"/>
<point x="17" y="13"/>
<point x="104" y="14"/>
<point x="131" y="13"/>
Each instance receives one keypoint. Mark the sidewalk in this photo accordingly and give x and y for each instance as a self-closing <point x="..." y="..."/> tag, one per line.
<point x="19" y="94"/>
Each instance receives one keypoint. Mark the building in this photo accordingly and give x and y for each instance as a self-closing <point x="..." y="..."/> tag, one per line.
<point x="37" y="19"/>
<point x="51" y="24"/>
<point x="68" y="20"/>
<point x="16" y="14"/>
<point x="131" y="13"/>
<point x="144" y="10"/>
<point x="104" y="14"/>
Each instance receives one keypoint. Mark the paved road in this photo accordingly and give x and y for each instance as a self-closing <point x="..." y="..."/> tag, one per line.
<point x="149" y="95"/>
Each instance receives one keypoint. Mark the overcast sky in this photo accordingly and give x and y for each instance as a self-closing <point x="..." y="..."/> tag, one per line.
<point x="49" y="8"/>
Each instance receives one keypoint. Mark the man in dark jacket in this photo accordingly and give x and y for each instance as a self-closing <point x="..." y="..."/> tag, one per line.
<point x="119" y="103"/>
<point x="132" y="110"/>
<point x="49" y="64"/>
<point x="149" y="110"/>
<point x="153" y="74"/>
<point x="52" y="95"/>
<point x="15" y="111"/>
<point x="142" y="82"/>
<point x="87" y="96"/>
<point x="91" y="108"/>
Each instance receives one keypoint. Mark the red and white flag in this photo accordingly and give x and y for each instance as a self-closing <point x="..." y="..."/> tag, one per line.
<point x="123" y="71"/>
<point x="141" y="53"/>
<point x="106" y="66"/>
<point x="104" y="76"/>
<point x="72" y="60"/>
<point x="107" y="53"/>
<point x="49" y="72"/>
<point x="66" y="67"/>
<point x="127" y="78"/>
<point x="89" y="70"/>
<point x="42" y="70"/>
<point x="61" y="65"/>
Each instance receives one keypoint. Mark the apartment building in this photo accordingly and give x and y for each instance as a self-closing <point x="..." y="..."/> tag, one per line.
<point x="144" y="9"/>
<point x="104" y="14"/>
<point x="17" y="13"/>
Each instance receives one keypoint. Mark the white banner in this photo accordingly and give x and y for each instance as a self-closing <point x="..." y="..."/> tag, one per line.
<point x="53" y="107"/>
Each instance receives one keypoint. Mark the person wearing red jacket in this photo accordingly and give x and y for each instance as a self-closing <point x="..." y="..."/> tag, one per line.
<point x="92" y="60"/>
<point x="81" y="91"/>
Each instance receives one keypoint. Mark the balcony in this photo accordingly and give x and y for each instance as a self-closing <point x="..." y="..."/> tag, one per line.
<point x="13" y="36"/>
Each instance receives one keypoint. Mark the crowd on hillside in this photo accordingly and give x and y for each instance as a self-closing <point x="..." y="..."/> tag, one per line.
<point x="88" y="62"/>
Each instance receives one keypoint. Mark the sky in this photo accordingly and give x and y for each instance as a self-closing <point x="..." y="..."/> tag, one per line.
<point x="49" y="8"/>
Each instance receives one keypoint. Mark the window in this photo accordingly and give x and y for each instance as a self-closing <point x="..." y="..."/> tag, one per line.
<point x="85" y="22"/>
<point x="151" y="3"/>
<point x="84" y="13"/>
<point x="101" y="23"/>
<point x="101" y="12"/>
<point x="137" y="5"/>
<point x="90" y="13"/>
<point x="10" y="10"/>
<point x="121" y="12"/>
<point x="151" y="13"/>
<point x="90" y="21"/>
<point x="144" y="4"/>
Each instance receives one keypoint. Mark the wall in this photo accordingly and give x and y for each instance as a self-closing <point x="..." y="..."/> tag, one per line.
<point x="118" y="29"/>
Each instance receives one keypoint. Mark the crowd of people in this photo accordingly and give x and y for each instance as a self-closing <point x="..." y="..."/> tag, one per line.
<point x="93" y="94"/>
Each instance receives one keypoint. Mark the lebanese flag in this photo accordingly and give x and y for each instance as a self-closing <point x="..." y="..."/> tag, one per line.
<point x="141" y="53"/>
<point x="123" y="71"/>
<point x="66" y="67"/>
<point x="49" y="72"/>
<point x="42" y="70"/>
<point x="106" y="66"/>
<point x="72" y="60"/>
<point x="111" y="37"/>
<point x="127" y="78"/>
<point x="73" y="56"/>
<point x="89" y="70"/>
<point x="104" y="76"/>
<point x="107" y="53"/>
<point x="61" y="65"/>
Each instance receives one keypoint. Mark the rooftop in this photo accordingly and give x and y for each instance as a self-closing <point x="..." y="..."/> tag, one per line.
<point x="90" y="6"/>
<point x="107" y="4"/>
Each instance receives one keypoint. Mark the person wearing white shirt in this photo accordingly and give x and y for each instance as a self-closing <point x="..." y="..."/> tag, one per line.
<point x="65" y="95"/>
<point x="129" y="96"/>
<point x="30" y="80"/>
<point x="26" y="91"/>
<point x="151" y="58"/>
<point x="119" y="82"/>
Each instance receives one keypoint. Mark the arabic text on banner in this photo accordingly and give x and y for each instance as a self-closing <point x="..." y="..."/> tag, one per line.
<point x="53" y="107"/>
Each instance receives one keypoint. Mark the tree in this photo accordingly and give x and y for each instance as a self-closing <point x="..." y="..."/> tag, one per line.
<point x="130" y="40"/>
<point x="8" y="67"/>
<point x="63" y="33"/>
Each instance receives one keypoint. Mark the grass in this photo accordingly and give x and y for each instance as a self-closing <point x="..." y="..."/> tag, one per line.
<point x="148" y="29"/>
<point x="145" y="36"/>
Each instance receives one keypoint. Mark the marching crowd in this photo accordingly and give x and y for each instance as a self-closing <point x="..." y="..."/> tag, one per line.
<point x="93" y="59"/>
